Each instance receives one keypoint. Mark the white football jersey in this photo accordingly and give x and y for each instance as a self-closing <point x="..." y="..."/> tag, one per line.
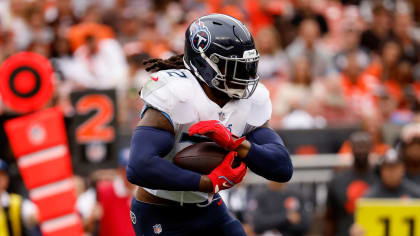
<point x="178" y="94"/>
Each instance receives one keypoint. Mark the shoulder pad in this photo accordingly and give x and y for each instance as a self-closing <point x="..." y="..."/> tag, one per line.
<point x="170" y="91"/>
<point x="261" y="106"/>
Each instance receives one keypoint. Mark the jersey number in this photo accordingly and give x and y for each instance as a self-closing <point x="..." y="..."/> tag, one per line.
<point x="177" y="73"/>
<point x="97" y="127"/>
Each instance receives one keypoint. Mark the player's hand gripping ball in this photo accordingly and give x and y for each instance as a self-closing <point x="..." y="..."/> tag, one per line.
<point x="203" y="157"/>
<point x="210" y="159"/>
<point x="217" y="132"/>
<point x="225" y="176"/>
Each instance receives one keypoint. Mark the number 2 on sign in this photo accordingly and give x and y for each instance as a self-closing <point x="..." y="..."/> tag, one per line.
<point x="96" y="128"/>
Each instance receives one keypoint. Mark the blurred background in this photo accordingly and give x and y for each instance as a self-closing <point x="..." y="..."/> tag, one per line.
<point x="344" y="78"/>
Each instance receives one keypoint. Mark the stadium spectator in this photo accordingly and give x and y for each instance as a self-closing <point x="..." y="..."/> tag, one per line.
<point x="402" y="30"/>
<point x="410" y="151"/>
<point x="233" y="8"/>
<point x="40" y="48"/>
<point x="66" y="69"/>
<point x="305" y="9"/>
<point x="333" y="103"/>
<point x="129" y="28"/>
<point x="20" y="30"/>
<point x="393" y="184"/>
<point x="379" y="29"/>
<point x="115" y="199"/>
<point x="350" y="44"/>
<point x="397" y="97"/>
<point x="261" y="13"/>
<point x="402" y="91"/>
<point x="348" y="186"/>
<point x="281" y="210"/>
<point x="379" y="147"/>
<point x="392" y="76"/>
<point x="18" y="216"/>
<point x="308" y="44"/>
<point x="273" y="61"/>
<point x="78" y="34"/>
<point x="6" y="43"/>
<point x="391" y="52"/>
<point x="358" y="96"/>
<point x="295" y="99"/>
<point x="101" y="64"/>
<point x="60" y="16"/>
<point x="383" y="68"/>
<point x="37" y="27"/>
<point x="64" y="65"/>
<point x="87" y="206"/>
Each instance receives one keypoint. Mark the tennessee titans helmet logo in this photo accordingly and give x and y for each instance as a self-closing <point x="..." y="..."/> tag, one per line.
<point x="200" y="36"/>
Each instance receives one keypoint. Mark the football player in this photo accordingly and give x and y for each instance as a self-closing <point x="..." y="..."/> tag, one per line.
<point x="211" y="91"/>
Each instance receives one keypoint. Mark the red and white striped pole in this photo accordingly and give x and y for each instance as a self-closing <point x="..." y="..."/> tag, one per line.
<point x="39" y="143"/>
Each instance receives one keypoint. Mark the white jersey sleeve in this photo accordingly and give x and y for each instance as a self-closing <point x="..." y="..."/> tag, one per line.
<point x="261" y="108"/>
<point x="171" y="92"/>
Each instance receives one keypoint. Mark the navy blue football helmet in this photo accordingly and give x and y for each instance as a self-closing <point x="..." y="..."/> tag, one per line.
<point x="220" y="51"/>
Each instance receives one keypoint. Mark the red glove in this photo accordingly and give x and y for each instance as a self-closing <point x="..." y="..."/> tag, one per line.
<point x="224" y="176"/>
<point x="217" y="132"/>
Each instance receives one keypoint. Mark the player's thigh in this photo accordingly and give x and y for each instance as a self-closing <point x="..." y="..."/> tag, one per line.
<point x="233" y="228"/>
<point x="223" y="223"/>
<point x="136" y="216"/>
<point x="150" y="220"/>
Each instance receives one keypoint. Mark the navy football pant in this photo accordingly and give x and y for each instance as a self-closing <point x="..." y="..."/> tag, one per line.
<point x="214" y="219"/>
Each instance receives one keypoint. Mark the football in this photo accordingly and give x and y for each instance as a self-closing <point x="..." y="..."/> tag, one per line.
<point x="202" y="157"/>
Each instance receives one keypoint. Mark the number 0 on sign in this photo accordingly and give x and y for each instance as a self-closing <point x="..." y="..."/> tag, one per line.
<point x="389" y="217"/>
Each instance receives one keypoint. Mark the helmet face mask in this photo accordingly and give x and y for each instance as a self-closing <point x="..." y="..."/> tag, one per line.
<point x="229" y="61"/>
<point x="237" y="77"/>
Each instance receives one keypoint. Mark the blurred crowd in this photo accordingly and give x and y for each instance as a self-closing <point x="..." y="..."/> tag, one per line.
<point x="326" y="63"/>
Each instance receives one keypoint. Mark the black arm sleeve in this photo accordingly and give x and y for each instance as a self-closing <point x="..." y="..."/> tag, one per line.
<point x="147" y="168"/>
<point x="268" y="156"/>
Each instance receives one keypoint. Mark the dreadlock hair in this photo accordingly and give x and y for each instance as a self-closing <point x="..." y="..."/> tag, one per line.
<point x="155" y="64"/>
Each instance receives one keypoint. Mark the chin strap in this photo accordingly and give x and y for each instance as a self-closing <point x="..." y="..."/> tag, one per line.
<point x="213" y="66"/>
<point x="235" y="93"/>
